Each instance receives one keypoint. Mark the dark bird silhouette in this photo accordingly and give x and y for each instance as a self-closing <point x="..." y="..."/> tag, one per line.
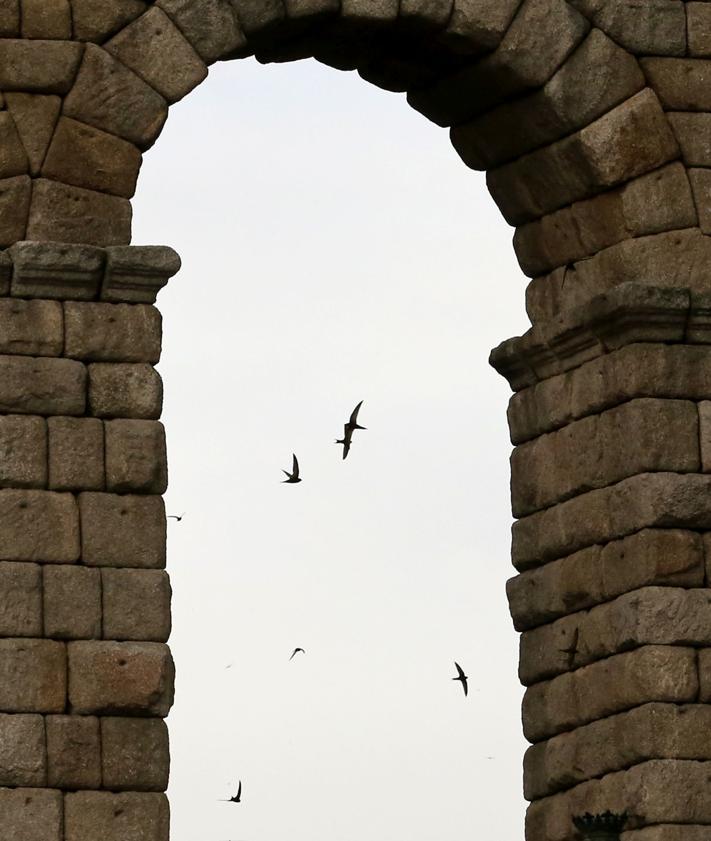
<point x="348" y="429"/>
<point x="296" y="651"/>
<point x="461" y="677"/>
<point x="293" y="477"/>
<point x="176" y="517"/>
<point x="236" y="798"/>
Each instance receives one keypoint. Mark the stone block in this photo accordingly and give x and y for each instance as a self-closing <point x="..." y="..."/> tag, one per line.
<point x="10" y="19"/>
<point x="127" y="816"/>
<point x="88" y="157"/>
<point x="110" y="97"/>
<point x="13" y="159"/>
<point x="698" y="21"/>
<point x="136" y="273"/>
<point x="73" y="751"/>
<point x="654" y="673"/>
<point x="119" y="390"/>
<point x="72" y="602"/>
<point x="33" y="676"/>
<point x="49" y="19"/>
<point x="651" y="557"/>
<point x="38" y="526"/>
<point x="211" y="27"/>
<point x="704" y="674"/>
<point x="135" y="456"/>
<point x="475" y="27"/>
<point x="30" y="385"/>
<point x="76" y="454"/>
<point x="259" y="18"/>
<point x="154" y="48"/>
<point x="693" y="133"/>
<point x="136" y="604"/>
<point x="5" y="273"/>
<point x="701" y="184"/>
<point x="96" y="20"/>
<point x="22" y="752"/>
<point x="112" y="332"/>
<point x="35" y="116"/>
<point x="72" y="214"/>
<point x="682" y="84"/>
<point x="56" y="270"/>
<point x="31" y="814"/>
<point x="15" y="194"/>
<point x="23" y="451"/>
<point x="134" y="754"/>
<point x="20" y="600"/>
<point x="669" y="832"/>
<point x="122" y="530"/>
<point x="38" y="66"/>
<point x="120" y="678"/>
<point x="31" y="328"/>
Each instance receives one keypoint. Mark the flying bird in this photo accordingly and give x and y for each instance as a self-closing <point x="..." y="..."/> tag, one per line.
<point x="348" y="429"/>
<point x="461" y="677"/>
<point x="293" y="477"/>
<point x="236" y="798"/>
<point x="176" y="517"/>
<point x="296" y="651"/>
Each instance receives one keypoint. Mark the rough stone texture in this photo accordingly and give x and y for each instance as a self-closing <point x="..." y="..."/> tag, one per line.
<point x="38" y="526"/>
<point x="76" y="454"/>
<point x="31" y="814"/>
<point x="112" y="332"/>
<point x="136" y="604"/>
<point x="154" y="48"/>
<point x="88" y="157"/>
<point x="35" y="117"/>
<point x="15" y="194"/>
<point x="51" y="19"/>
<point x="705" y="673"/>
<point x="72" y="214"/>
<point x="56" y="270"/>
<point x="31" y="328"/>
<point x="72" y="602"/>
<point x="20" y="600"/>
<point x="22" y="753"/>
<point x="13" y="160"/>
<point x="134" y="754"/>
<point x="109" y="96"/>
<point x="46" y="67"/>
<point x="476" y="26"/>
<point x="120" y="678"/>
<point x="653" y="673"/>
<point x="122" y="531"/>
<point x="73" y="751"/>
<point x="137" y="273"/>
<point x="135" y="456"/>
<point x="668" y="557"/>
<point x="698" y="21"/>
<point x="682" y="84"/>
<point x="42" y="386"/>
<point x="701" y="184"/>
<point x="32" y="676"/>
<point x="692" y="131"/>
<point x="125" y="391"/>
<point x="211" y="26"/>
<point x="23" y="451"/>
<point x="96" y="20"/>
<point x="10" y="19"/>
<point x="129" y="816"/>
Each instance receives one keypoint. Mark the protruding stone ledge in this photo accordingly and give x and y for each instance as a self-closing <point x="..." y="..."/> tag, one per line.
<point x="131" y="274"/>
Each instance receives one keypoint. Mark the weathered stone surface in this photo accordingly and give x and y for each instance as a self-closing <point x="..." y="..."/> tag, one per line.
<point x="136" y="604"/>
<point x="122" y="531"/>
<point x="72" y="602"/>
<point x="136" y="273"/>
<point x="475" y="26"/>
<point x="109" y="96"/>
<point x="22" y="753"/>
<point x="38" y="66"/>
<point x="15" y="194"/>
<point x="669" y="832"/>
<point x="13" y="160"/>
<point x="88" y="157"/>
<point x="112" y="332"/>
<point x="65" y="213"/>
<point x="653" y="673"/>
<point x="50" y="19"/>
<point x="136" y="457"/>
<point x="5" y="272"/>
<point x="211" y="27"/>
<point x="258" y="18"/>
<point x="693" y="133"/>
<point x="23" y="452"/>
<point x="73" y="751"/>
<point x="119" y="390"/>
<point x="135" y="754"/>
<point x="698" y="22"/>
<point x="598" y="76"/>
<point x="120" y="678"/>
<point x="31" y="814"/>
<point x="31" y="385"/>
<point x="701" y="184"/>
<point x="31" y="328"/>
<point x="659" y="557"/>
<point x="35" y="116"/>
<point x="10" y="19"/>
<point x="129" y="816"/>
<point x="56" y="270"/>
<point x="96" y="20"/>
<point x="682" y="84"/>
<point x="32" y="676"/>
<point x="661" y="500"/>
<point x="38" y="526"/>
<point x="76" y="454"/>
<point x="155" y="49"/>
<point x="705" y="670"/>
<point x="20" y="601"/>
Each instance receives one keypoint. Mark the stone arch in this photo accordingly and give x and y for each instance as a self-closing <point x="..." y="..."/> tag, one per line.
<point x="589" y="118"/>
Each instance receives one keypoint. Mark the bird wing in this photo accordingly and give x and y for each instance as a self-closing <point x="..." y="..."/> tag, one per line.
<point x="296" y="467"/>
<point x="239" y="790"/>
<point x="354" y="413"/>
<point x="346" y="445"/>
<point x="461" y="674"/>
<point x="464" y="684"/>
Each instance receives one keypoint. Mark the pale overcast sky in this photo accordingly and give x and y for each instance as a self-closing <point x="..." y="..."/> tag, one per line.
<point x="335" y="249"/>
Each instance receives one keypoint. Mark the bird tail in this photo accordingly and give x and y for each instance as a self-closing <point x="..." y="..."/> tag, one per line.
<point x="358" y="426"/>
